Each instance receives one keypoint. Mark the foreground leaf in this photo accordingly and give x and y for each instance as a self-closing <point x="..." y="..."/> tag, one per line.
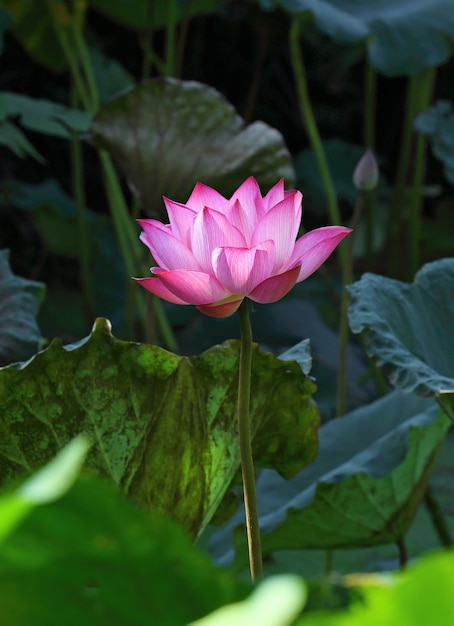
<point x="93" y="558"/>
<point x="19" y="302"/>
<point x="164" y="427"/>
<point x="168" y="134"/>
<point x="408" y="328"/>
<point x="362" y="490"/>
<point x="420" y="595"/>
<point x="437" y="123"/>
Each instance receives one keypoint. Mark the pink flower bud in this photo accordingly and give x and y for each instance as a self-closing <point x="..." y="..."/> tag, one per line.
<point x="365" y="176"/>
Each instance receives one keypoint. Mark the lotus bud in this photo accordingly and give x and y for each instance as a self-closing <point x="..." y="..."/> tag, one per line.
<point x="365" y="176"/>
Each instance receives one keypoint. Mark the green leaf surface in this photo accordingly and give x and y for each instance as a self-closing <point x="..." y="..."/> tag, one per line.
<point x="19" y="302"/>
<point x="163" y="427"/>
<point x="13" y="138"/>
<point x="420" y="595"/>
<point x="362" y="490"/>
<point x="167" y="134"/>
<point x="437" y="123"/>
<point x="5" y="21"/>
<point x="93" y="558"/>
<point x="33" y="26"/>
<point x="408" y="328"/>
<point x="403" y="37"/>
<point x="147" y="15"/>
<point x="43" y="116"/>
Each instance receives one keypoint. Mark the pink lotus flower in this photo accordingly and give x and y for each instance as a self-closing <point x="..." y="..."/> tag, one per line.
<point x="216" y="252"/>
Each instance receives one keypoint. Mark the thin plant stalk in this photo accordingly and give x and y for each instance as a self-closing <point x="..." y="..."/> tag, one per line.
<point x="347" y="279"/>
<point x="244" y="432"/>
<point x="370" y="107"/>
<point x="307" y="114"/>
<point x="170" y="48"/>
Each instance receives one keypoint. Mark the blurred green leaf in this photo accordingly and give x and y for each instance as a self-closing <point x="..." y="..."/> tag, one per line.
<point x="402" y="38"/>
<point x="47" y="485"/>
<point x="5" y="21"/>
<point x="110" y="77"/>
<point x="408" y="328"/>
<point x="93" y="558"/>
<point x="168" y="134"/>
<point x="275" y="602"/>
<point x="19" y="302"/>
<point x="147" y="15"/>
<point x="43" y="116"/>
<point x="362" y="490"/>
<point x="33" y="26"/>
<point x="14" y="139"/>
<point x="164" y="427"/>
<point x="420" y="595"/>
<point x="437" y="123"/>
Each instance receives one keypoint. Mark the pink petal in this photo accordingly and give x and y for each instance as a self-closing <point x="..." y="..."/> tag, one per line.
<point x="240" y="270"/>
<point x="181" y="218"/>
<point x="249" y="196"/>
<point x="313" y="248"/>
<point x="212" y="230"/>
<point x="243" y="221"/>
<point x="155" y="286"/>
<point x="276" y="287"/>
<point x="220" y="310"/>
<point x="281" y="225"/>
<point x="168" y="251"/>
<point x="275" y="195"/>
<point x="204" y="196"/>
<point x="191" y="287"/>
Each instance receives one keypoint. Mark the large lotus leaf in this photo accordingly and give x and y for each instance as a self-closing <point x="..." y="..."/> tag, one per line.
<point x="19" y="302"/>
<point x="150" y="15"/>
<point x="408" y="329"/>
<point x="362" y="490"/>
<point x="403" y="37"/>
<point x="164" y="427"/>
<point x="93" y="558"/>
<point x="437" y="123"/>
<point x="168" y="134"/>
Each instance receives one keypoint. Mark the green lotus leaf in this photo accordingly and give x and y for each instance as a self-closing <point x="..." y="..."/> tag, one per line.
<point x="150" y="15"/>
<point x="402" y="37"/>
<point x="437" y="123"/>
<point x="362" y="490"/>
<point x="408" y="328"/>
<point x="19" y="303"/>
<point x="163" y="427"/>
<point x="167" y="134"/>
<point x="93" y="558"/>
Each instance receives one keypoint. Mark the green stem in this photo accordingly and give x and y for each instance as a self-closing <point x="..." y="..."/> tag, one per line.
<point x="423" y="95"/>
<point x="87" y="67"/>
<point x="369" y="142"/>
<point x="308" y="117"/>
<point x="171" y="26"/>
<point x="347" y="279"/>
<point x="437" y="518"/>
<point x="79" y="196"/>
<point x="244" y="432"/>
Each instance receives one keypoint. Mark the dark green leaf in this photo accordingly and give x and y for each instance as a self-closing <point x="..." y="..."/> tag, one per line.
<point x="147" y="15"/>
<point x="19" y="302"/>
<point x="167" y="134"/>
<point x="43" y="116"/>
<point x="403" y="37"/>
<point x="14" y="139"/>
<point x="362" y="490"/>
<point x="5" y="21"/>
<point x="408" y="328"/>
<point x="164" y="427"/>
<point x="437" y="123"/>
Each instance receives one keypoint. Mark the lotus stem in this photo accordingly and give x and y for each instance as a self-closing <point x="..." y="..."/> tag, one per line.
<point x="244" y="432"/>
